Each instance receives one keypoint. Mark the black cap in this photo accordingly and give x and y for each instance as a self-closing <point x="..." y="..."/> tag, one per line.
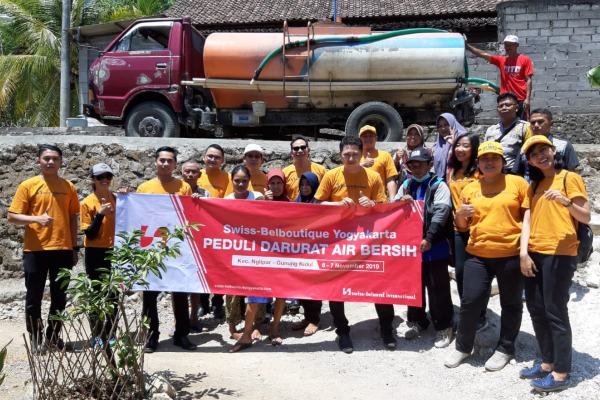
<point x="420" y="154"/>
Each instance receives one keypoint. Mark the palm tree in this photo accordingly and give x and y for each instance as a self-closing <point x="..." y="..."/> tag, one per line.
<point x="30" y="60"/>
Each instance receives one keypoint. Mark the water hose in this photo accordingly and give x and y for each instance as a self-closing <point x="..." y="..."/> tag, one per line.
<point x="484" y="82"/>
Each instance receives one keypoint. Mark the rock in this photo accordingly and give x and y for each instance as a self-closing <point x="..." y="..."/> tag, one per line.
<point x="161" y="396"/>
<point x="160" y="385"/>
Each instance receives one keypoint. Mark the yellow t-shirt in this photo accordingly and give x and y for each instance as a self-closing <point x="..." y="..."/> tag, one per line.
<point x="457" y="184"/>
<point x="176" y="186"/>
<point x="106" y="235"/>
<point x="216" y="183"/>
<point x="553" y="230"/>
<point x="495" y="228"/>
<point x="338" y="184"/>
<point x="58" y="197"/>
<point x="258" y="183"/>
<point x="293" y="174"/>
<point x="383" y="165"/>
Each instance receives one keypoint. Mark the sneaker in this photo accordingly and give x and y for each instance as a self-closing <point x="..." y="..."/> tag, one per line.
<point x="413" y="331"/>
<point x="482" y="325"/>
<point x="443" y="338"/>
<point x="345" y="343"/>
<point x="389" y="341"/>
<point x="549" y="384"/>
<point x="455" y="358"/>
<point x="535" y="372"/>
<point x="151" y="345"/>
<point x="497" y="361"/>
<point x="38" y="346"/>
<point x="184" y="343"/>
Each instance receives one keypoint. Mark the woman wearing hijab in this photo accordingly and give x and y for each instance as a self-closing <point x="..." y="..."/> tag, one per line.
<point x="415" y="138"/>
<point x="448" y="128"/>
<point x="309" y="183"/>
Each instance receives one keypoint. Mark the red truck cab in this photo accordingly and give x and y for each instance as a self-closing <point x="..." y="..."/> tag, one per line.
<point x="136" y="80"/>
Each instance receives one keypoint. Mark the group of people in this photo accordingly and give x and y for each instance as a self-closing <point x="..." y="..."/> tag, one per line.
<point x="506" y="208"/>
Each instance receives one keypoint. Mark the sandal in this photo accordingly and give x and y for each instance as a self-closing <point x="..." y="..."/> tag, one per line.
<point x="276" y="340"/>
<point x="311" y="329"/>
<point x="239" y="346"/>
<point x="299" y="325"/>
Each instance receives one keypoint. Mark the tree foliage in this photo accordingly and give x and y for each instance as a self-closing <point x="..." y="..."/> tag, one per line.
<point x="31" y="48"/>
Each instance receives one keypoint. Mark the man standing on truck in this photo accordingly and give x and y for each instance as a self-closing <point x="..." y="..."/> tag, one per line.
<point x="379" y="161"/>
<point x="301" y="163"/>
<point x="165" y="183"/>
<point x="516" y="71"/>
<point x="352" y="185"/>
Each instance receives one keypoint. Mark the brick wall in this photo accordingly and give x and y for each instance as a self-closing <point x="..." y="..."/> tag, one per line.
<point x="563" y="39"/>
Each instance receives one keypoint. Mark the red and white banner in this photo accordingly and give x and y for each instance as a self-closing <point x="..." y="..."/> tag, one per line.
<point x="281" y="249"/>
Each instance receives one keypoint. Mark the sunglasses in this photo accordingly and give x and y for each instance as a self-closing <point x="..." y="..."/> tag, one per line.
<point x="298" y="148"/>
<point x="103" y="176"/>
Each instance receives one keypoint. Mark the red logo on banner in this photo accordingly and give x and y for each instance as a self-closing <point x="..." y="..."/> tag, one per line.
<point x="147" y="240"/>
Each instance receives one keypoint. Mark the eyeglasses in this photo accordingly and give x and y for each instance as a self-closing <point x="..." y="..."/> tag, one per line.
<point x="103" y="176"/>
<point x="298" y="148"/>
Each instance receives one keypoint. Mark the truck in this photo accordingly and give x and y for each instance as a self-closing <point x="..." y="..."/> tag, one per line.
<point x="161" y="77"/>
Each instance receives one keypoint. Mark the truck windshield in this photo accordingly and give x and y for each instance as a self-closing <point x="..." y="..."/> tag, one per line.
<point x="146" y="37"/>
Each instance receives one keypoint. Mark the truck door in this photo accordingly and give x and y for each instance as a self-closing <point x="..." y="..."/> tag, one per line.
<point x="140" y="60"/>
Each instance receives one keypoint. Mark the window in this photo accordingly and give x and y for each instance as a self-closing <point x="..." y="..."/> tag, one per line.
<point x="150" y="36"/>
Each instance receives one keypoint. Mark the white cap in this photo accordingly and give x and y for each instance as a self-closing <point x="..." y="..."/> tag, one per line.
<point x="101" y="168"/>
<point x="511" y="39"/>
<point x="253" y="147"/>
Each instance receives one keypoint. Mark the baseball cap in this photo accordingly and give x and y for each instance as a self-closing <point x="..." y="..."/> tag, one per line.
<point x="253" y="147"/>
<point x="532" y="141"/>
<point x="101" y="168"/>
<point x="511" y="39"/>
<point x="490" y="147"/>
<point x="365" y="129"/>
<point x="420" y="154"/>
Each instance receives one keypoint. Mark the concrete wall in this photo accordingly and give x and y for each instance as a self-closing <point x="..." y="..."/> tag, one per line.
<point x="563" y="39"/>
<point x="132" y="160"/>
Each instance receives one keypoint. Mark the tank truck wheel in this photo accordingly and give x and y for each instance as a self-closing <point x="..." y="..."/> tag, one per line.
<point x="151" y="119"/>
<point x="382" y="116"/>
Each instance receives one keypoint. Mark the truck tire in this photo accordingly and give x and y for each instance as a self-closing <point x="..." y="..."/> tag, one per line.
<point x="382" y="116"/>
<point x="151" y="119"/>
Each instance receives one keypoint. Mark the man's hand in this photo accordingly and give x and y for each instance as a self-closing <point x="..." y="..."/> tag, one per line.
<point x="365" y="201"/>
<point x="44" y="219"/>
<point x="368" y="162"/>
<point x="425" y="245"/>
<point x="346" y="201"/>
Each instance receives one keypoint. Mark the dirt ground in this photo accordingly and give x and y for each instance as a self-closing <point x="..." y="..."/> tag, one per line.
<point x="314" y="368"/>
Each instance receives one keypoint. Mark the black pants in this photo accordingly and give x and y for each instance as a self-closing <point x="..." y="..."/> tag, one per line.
<point x="37" y="265"/>
<point x="217" y="301"/>
<point x="460" y="256"/>
<point x="385" y="312"/>
<point x="95" y="260"/>
<point x="479" y="273"/>
<point x="312" y="310"/>
<point x="180" y="308"/>
<point x="434" y="277"/>
<point x="547" y="296"/>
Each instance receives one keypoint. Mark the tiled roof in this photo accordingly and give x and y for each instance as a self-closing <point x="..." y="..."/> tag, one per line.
<point x="240" y="12"/>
